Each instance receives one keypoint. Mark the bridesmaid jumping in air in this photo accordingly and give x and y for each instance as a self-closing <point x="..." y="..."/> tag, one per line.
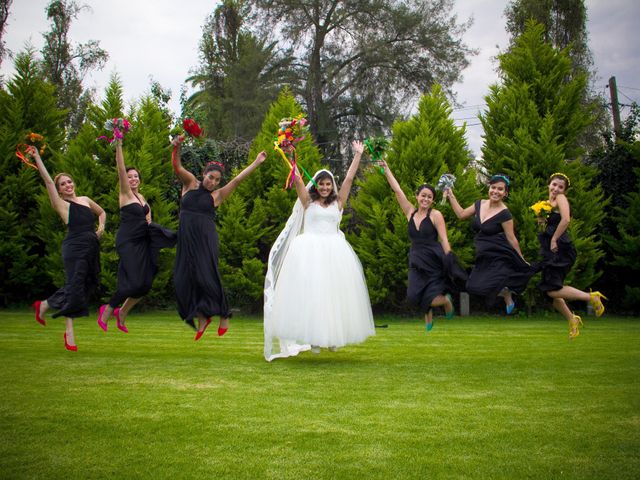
<point x="80" y="250"/>
<point x="138" y="243"/>
<point x="197" y="280"/>
<point x="500" y="269"/>
<point x="558" y="256"/>
<point x="430" y="262"/>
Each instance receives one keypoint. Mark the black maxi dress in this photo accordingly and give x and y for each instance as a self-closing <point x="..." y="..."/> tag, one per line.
<point x="431" y="272"/>
<point x="81" y="259"/>
<point x="196" y="275"/>
<point x="497" y="265"/>
<point x="138" y="244"/>
<point x="555" y="266"/>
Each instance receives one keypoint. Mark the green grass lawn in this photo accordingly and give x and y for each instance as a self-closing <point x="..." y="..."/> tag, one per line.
<point x="479" y="397"/>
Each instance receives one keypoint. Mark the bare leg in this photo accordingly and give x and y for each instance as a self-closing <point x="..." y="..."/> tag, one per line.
<point x="126" y="307"/>
<point x="224" y="323"/>
<point x="71" y="339"/>
<point x="561" y="306"/>
<point x="44" y="306"/>
<point x="428" y="320"/>
<point x="445" y="302"/>
<point x="574" y="320"/>
<point x="570" y="293"/>
<point x="203" y="323"/>
<point x="106" y="313"/>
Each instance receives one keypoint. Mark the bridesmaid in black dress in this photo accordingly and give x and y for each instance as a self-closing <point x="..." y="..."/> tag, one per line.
<point x="199" y="291"/>
<point x="558" y="256"/>
<point x="500" y="268"/>
<point x="80" y="251"/>
<point x="431" y="263"/>
<point x="138" y="243"/>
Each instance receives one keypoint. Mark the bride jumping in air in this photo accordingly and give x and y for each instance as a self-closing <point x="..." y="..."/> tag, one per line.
<point x="315" y="291"/>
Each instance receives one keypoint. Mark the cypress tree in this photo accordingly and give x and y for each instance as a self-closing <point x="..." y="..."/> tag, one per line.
<point x="251" y="219"/>
<point x="533" y="121"/>
<point x="422" y="148"/>
<point x="27" y="105"/>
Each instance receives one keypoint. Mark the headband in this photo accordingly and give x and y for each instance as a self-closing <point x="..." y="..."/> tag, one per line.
<point x="561" y="175"/>
<point x="501" y="177"/>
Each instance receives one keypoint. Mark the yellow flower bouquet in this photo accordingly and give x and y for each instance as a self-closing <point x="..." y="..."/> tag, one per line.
<point x="542" y="209"/>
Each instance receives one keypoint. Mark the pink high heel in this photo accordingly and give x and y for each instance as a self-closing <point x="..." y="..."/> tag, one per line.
<point x="102" y="325"/>
<point x="121" y="326"/>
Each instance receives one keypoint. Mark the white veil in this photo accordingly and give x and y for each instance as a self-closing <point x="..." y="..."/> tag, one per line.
<point x="275" y="347"/>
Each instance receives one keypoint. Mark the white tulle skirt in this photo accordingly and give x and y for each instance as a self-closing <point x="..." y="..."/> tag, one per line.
<point x="321" y="298"/>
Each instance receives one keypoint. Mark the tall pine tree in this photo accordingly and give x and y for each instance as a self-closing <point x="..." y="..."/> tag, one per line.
<point x="533" y="121"/>
<point x="251" y="219"/>
<point x="422" y="148"/>
<point x="27" y="105"/>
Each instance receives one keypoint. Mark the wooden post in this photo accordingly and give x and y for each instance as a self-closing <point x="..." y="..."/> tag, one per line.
<point x="615" y="107"/>
<point x="464" y="304"/>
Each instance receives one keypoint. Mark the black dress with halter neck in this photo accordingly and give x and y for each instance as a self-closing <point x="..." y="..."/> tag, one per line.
<point x="497" y="265"/>
<point x="196" y="275"/>
<point x="138" y="244"/>
<point x="431" y="272"/>
<point x="555" y="265"/>
<point x="81" y="258"/>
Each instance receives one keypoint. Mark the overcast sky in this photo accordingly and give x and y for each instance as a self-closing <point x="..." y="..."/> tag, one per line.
<point x="158" y="39"/>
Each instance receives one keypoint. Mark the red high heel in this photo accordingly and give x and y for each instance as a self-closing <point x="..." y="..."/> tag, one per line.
<point x="222" y="331"/>
<point x="121" y="326"/>
<point x="72" y="348"/>
<point x="36" y="307"/>
<point x="201" y="332"/>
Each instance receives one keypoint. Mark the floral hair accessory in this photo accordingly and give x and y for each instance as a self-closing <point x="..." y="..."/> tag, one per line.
<point x="542" y="209"/>
<point x="446" y="182"/>
<point x="191" y="127"/>
<point x="119" y="127"/>
<point x="31" y="140"/>
<point x="290" y="132"/>
<point x="215" y="163"/>
<point x="562" y="176"/>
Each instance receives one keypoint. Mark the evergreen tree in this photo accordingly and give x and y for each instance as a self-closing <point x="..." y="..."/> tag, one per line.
<point x="532" y="125"/>
<point x="618" y="163"/>
<point x="27" y="105"/>
<point x="422" y="148"/>
<point x="251" y="219"/>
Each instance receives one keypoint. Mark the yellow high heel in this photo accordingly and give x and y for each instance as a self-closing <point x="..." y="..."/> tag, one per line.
<point x="596" y="302"/>
<point x="574" y="326"/>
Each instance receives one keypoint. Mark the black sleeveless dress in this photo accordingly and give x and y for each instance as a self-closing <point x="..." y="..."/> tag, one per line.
<point x="196" y="275"/>
<point x="81" y="258"/>
<point x="431" y="272"/>
<point x="555" y="266"/>
<point x="138" y="244"/>
<point x="497" y="265"/>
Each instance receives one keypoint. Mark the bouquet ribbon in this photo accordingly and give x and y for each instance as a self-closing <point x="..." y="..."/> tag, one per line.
<point x="23" y="157"/>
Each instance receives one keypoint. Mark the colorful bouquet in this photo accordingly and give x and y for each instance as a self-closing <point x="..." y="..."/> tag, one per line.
<point x="445" y="182"/>
<point x="377" y="147"/>
<point x="291" y="131"/>
<point x="31" y="140"/>
<point x="119" y="127"/>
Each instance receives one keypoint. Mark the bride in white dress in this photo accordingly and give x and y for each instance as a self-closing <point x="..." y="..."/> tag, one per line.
<point x="315" y="291"/>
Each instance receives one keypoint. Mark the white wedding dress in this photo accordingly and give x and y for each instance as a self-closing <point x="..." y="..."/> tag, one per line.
<point x="319" y="295"/>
